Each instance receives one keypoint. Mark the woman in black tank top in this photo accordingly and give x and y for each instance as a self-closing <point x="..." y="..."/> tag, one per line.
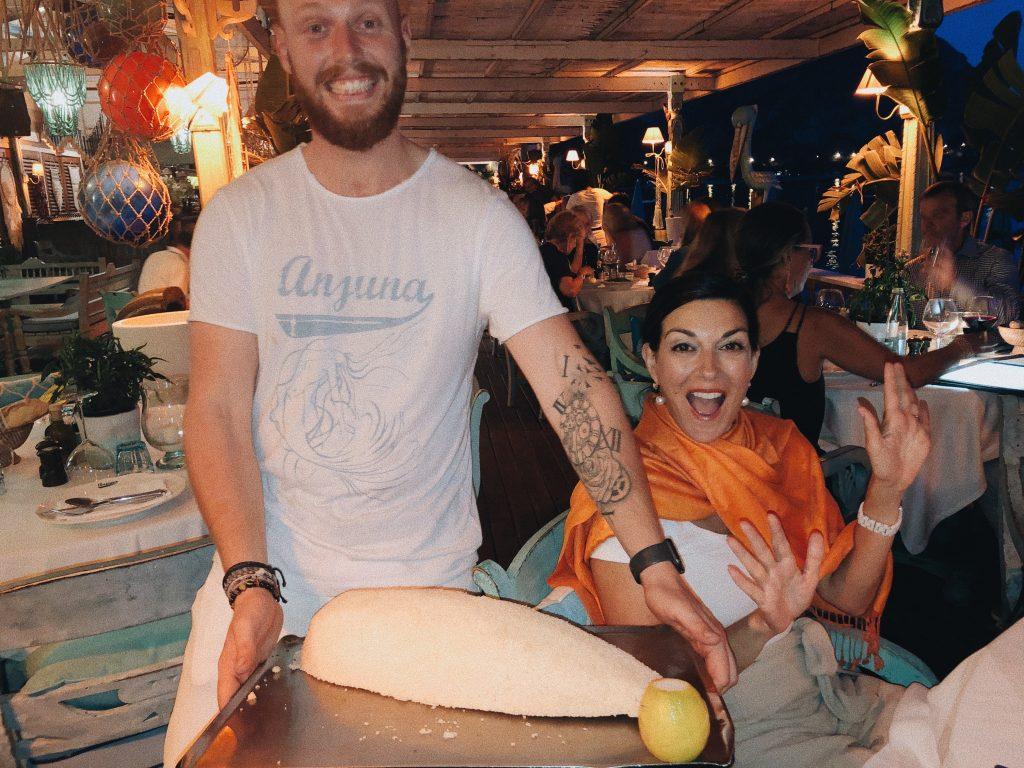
<point x="778" y="377"/>
<point x="775" y="263"/>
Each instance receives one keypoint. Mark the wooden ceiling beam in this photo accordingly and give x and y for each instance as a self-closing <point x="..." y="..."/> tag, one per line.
<point x="529" y="108"/>
<point x="657" y="84"/>
<point x="603" y="50"/>
<point x="820" y="10"/>
<point x="612" y="27"/>
<point x="527" y="18"/>
<point x="724" y="13"/>
<point x="625" y="66"/>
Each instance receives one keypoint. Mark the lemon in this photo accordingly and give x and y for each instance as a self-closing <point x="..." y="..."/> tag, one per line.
<point x="674" y="720"/>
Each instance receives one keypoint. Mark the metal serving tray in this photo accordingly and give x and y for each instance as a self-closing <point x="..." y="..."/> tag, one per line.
<point x="297" y="720"/>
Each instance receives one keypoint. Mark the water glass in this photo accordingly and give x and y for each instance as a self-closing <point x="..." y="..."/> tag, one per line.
<point x="89" y="461"/>
<point x="831" y="299"/>
<point x="133" y="457"/>
<point x="163" y="418"/>
<point x="940" y="316"/>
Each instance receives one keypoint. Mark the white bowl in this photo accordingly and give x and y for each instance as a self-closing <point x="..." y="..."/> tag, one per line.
<point x="163" y="335"/>
<point x="1014" y="336"/>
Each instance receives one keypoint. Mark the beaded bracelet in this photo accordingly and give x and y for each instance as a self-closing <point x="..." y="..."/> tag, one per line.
<point x="244" y="575"/>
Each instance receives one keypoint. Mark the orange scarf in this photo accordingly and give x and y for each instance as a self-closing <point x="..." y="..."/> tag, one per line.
<point x="761" y="465"/>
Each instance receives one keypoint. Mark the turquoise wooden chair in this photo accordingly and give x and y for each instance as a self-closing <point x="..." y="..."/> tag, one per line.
<point x="525" y="581"/>
<point x="617" y="325"/>
<point x="476" y="412"/>
<point x="113" y="302"/>
<point x="632" y="394"/>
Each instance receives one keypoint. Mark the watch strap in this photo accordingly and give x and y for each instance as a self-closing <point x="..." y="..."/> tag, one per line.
<point x="663" y="551"/>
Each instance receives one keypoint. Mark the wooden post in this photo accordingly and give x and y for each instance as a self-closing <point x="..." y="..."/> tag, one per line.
<point x="915" y="176"/>
<point x="209" y="141"/>
<point x="677" y="85"/>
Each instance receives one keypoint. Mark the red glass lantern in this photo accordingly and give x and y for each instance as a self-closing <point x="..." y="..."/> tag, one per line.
<point x="133" y="93"/>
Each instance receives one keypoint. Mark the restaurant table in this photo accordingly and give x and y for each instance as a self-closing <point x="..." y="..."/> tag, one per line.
<point x="598" y="297"/>
<point x="965" y="434"/>
<point x="12" y="288"/>
<point x="1003" y="377"/>
<point x="59" y="582"/>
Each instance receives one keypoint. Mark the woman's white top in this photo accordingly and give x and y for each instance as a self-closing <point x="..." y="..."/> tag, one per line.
<point x="706" y="557"/>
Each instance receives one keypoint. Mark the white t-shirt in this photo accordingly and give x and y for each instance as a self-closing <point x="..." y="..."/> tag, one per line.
<point x="368" y="313"/>
<point x="164" y="269"/>
<point x="593" y="199"/>
<point x="707" y="558"/>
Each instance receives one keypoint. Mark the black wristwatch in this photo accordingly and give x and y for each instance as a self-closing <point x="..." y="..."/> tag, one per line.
<point x="656" y="553"/>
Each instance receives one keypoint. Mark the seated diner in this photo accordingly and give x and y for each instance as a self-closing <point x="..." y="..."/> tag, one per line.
<point x="741" y="495"/>
<point x="796" y="339"/>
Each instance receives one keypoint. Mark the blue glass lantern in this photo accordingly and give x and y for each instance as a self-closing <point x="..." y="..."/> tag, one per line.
<point x="125" y="202"/>
<point x="59" y="90"/>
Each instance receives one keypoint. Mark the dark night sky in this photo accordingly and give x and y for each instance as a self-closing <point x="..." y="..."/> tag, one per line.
<point x="969" y="30"/>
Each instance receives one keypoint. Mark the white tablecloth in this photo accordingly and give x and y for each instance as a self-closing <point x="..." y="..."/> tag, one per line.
<point x="594" y="298"/>
<point x="965" y="434"/>
<point x="33" y="548"/>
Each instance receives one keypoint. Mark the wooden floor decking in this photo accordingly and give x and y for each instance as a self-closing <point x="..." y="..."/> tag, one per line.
<point x="525" y="477"/>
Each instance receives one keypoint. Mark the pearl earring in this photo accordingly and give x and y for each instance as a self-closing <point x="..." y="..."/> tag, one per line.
<point x="659" y="398"/>
<point x="745" y="402"/>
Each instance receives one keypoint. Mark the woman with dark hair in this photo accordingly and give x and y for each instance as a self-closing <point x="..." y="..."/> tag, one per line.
<point x="742" y="498"/>
<point x="714" y="247"/>
<point x="797" y="339"/>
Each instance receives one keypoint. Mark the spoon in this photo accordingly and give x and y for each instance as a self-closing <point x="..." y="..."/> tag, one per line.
<point x="80" y="505"/>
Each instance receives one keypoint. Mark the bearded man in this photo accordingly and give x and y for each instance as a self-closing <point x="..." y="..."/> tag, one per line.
<point x="339" y="294"/>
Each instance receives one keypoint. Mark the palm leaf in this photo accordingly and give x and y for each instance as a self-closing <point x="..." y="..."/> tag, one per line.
<point x="875" y="174"/>
<point x="904" y="59"/>
<point x="994" y="119"/>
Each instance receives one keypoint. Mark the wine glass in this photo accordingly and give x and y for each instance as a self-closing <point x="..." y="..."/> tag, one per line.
<point x="831" y="299"/>
<point x="88" y="461"/>
<point x="980" y="317"/>
<point x="940" y="316"/>
<point x="163" y="418"/>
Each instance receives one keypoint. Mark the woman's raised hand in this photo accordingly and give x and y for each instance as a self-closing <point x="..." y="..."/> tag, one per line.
<point x="773" y="579"/>
<point x="899" y="443"/>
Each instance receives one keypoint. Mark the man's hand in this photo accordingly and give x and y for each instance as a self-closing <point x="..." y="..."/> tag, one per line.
<point x="773" y="579"/>
<point x="252" y="634"/>
<point x="672" y="601"/>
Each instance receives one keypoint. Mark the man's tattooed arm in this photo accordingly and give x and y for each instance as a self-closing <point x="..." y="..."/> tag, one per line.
<point x="592" y="447"/>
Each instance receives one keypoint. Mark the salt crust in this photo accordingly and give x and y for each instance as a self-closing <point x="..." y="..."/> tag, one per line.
<point x="446" y="647"/>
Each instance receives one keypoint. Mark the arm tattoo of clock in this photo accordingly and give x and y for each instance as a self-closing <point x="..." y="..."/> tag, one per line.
<point x="591" y="447"/>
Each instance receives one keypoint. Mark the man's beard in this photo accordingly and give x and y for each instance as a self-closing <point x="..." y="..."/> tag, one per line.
<point x="354" y="135"/>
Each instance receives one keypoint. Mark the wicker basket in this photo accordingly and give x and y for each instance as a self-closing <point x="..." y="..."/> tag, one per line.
<point x="10" y="441"/>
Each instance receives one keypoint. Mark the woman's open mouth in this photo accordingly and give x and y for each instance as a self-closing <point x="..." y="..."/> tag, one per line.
<point x="706" y="404"/>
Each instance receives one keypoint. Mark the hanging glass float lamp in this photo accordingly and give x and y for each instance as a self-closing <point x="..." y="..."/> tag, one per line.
<point x="59" y="90"/>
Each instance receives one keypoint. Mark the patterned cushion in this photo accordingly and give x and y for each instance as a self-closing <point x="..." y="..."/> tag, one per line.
<point x="19" y="387"/>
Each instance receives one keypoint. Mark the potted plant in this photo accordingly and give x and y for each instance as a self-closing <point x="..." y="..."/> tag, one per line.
<point x="869" y="306"/>
<point x="115" y="376"/>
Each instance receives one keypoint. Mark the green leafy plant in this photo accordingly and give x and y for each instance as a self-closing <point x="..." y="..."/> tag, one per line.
<point x="871" y="303"/>
<point x="103" y="366"/>
<point x="874" y="175"/>
<point x="904" y="59"/>
<point x="994" y="122"/>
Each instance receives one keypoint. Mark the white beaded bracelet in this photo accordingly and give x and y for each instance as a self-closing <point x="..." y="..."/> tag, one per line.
<point x="880" y="528"/>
